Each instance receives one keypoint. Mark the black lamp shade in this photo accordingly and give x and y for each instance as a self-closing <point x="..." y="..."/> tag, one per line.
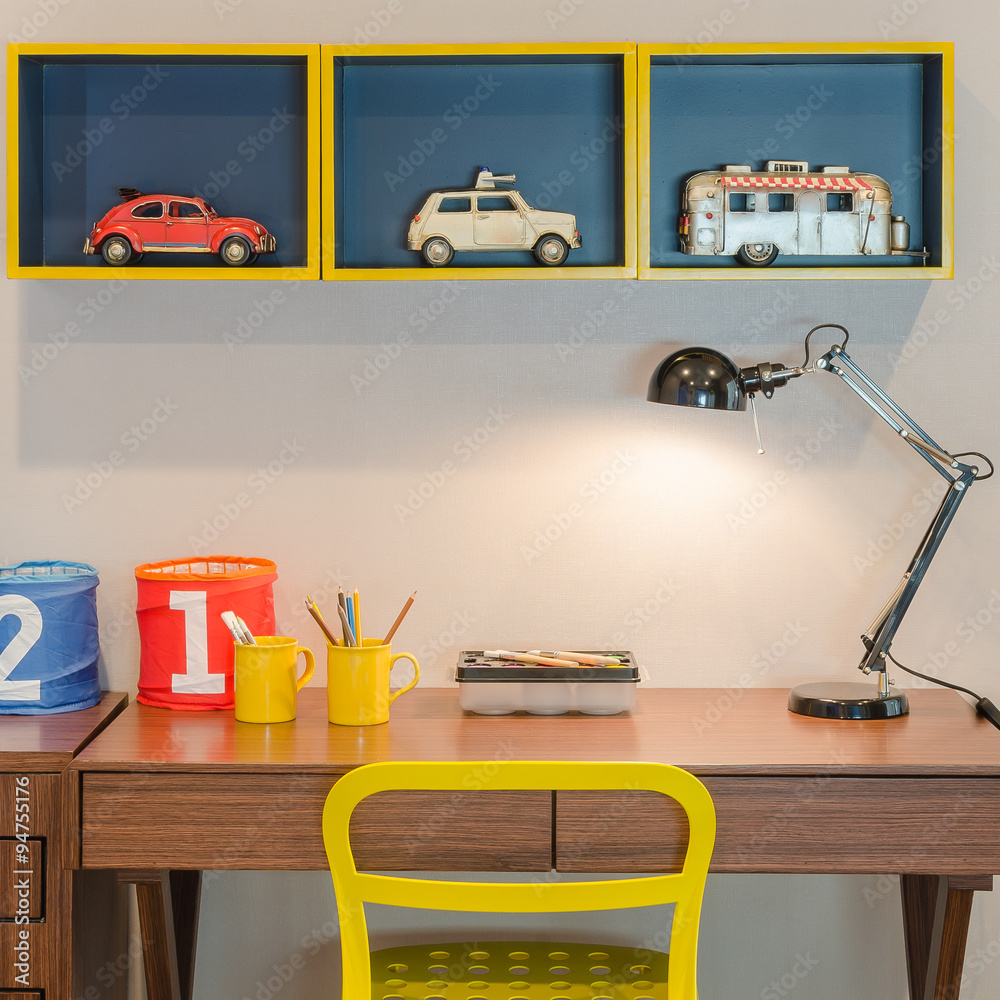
<point x="697" y="376"/>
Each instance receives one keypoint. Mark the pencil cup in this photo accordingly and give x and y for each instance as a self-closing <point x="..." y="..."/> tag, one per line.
<point x="357" y="684"/>
<point x="265" y="678"/>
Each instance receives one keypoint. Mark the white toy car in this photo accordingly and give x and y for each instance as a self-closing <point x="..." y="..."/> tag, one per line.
<point x="486" y="219"/>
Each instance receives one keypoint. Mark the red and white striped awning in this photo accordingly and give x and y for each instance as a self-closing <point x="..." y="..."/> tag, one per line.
<point x="829" y="182"/>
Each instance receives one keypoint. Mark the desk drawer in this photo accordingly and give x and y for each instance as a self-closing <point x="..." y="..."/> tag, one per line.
<point x="34" y="956"/>
<point x="272" y="821"/>
<point x="823" y="823"/>
<point x="22" y="893"/>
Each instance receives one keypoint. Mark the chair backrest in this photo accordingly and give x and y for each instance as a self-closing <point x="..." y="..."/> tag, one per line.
<point x="685" y="888"/>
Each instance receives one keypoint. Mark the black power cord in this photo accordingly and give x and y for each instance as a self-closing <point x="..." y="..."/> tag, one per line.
<point x="983" y="705"/>
<point x="978" y="454"/>
<point x="825" y="326"/>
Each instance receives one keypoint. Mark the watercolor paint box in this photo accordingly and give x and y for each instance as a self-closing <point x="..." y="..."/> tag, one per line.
<point x="502" y="687"/>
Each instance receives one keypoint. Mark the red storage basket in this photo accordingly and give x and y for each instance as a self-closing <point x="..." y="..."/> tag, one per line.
<point x="186" y="658"/>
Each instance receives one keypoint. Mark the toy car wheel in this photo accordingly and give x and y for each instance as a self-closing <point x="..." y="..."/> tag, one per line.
<point x="757" y="254"/>
<point x="551" y="250"/>
<point x="116" y="250"/>
<point x="235" y="251"/>
<point x="437" y="252"/>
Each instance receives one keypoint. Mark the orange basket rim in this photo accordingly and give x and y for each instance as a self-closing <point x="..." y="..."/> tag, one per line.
<point x="215" y="568"/>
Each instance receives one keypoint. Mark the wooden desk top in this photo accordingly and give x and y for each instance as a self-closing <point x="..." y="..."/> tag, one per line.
<point x="708" y="731"/>
<point x="49" y="742"/>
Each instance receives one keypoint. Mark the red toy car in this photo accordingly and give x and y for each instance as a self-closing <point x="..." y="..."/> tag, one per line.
<point x="169" y="223"/>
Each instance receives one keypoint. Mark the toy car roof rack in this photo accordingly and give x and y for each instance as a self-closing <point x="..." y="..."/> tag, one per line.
<point x="486" y="180"/>
<point x="128" y="194"/>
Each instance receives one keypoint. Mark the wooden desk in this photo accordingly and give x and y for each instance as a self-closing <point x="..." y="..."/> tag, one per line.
<point x="164" y="791"/>
<point x="34" y="750"/>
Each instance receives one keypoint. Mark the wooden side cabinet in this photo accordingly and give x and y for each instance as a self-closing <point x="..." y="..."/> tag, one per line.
<point x="61" y="932"/>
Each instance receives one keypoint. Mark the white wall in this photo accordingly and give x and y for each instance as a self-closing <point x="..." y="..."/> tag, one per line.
<point x="671" y="517"/>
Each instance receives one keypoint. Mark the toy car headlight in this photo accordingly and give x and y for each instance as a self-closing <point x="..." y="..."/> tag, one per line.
<point x="257" y="230"/>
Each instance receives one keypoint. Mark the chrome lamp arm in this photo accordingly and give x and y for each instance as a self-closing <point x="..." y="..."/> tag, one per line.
<point x="879" y="634"/>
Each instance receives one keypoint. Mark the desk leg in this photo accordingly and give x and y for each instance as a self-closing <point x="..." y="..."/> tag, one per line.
<point x="936" y="911"/>
<point x="168" y="920"/>
<point x="185" y="890"/>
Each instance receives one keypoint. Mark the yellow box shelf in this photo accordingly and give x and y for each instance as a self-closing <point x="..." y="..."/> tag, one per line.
<point x="607" y="132"/>
<point x="886" y="109"/>
<point x="237" y="125"/>
<point x="400" y="122"/>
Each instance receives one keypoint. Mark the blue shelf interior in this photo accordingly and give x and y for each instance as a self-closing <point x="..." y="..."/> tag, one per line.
<point x="407" y="127"/>
<point x="231" y="131"/>
<point x="881" y="117"/>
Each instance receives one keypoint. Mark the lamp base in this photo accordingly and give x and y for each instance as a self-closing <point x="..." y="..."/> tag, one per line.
<point x="846" y="700"/>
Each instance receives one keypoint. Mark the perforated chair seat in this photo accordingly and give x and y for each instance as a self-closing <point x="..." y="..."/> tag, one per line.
<point x="518" y="970"/>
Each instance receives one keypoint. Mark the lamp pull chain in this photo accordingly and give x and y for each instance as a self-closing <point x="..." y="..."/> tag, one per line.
<point x="756" y="426"/>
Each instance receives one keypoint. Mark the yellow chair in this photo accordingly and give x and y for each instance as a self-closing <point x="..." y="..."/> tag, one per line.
<point x="516" y="970"/>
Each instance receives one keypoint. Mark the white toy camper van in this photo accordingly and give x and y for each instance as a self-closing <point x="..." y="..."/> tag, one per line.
<point x="787" y="208"/>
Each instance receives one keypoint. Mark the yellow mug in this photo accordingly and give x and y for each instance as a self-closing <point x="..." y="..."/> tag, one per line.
<point x="265" y="680"/>
<point x="357" y="682"/>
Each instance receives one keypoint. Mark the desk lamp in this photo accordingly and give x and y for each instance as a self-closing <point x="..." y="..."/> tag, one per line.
<point x="698" y="376"/>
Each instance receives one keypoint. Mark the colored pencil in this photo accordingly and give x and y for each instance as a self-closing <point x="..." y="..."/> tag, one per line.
<point x="399" y="618"/>
<point x="342" y="603"/>
<point x="348" y="634"/>
<point x="314" y="611"/>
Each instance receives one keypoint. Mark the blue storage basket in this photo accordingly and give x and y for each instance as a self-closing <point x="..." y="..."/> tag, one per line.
<point x="48" y="638"/>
